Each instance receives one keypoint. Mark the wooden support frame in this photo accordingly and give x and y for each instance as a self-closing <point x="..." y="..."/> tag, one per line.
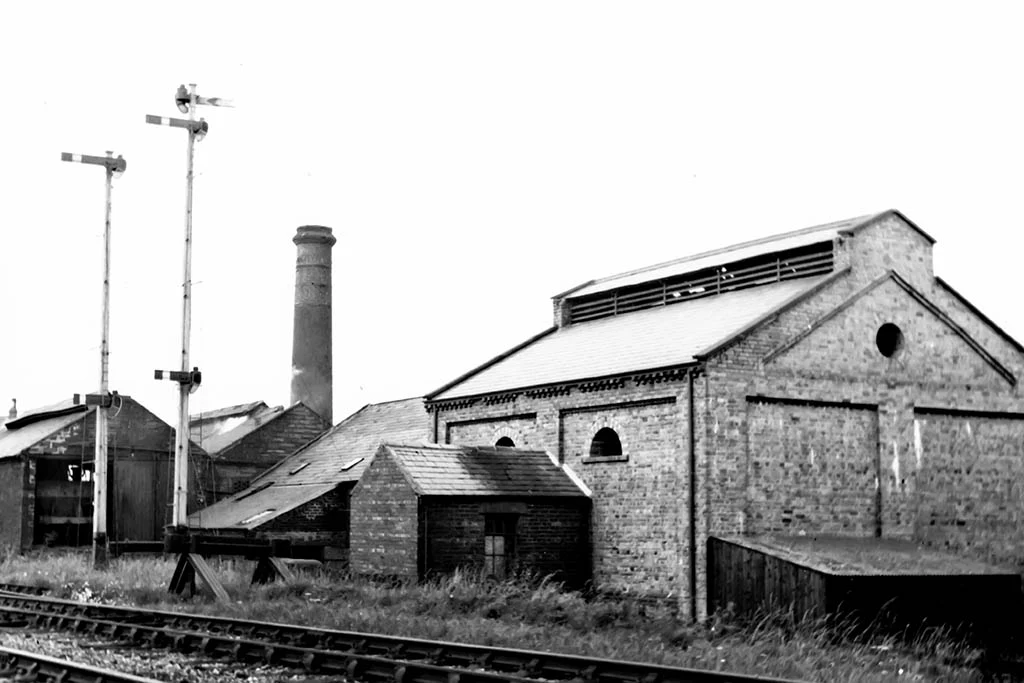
<point x="184" y="577"/>
<point x="269" y="569"/>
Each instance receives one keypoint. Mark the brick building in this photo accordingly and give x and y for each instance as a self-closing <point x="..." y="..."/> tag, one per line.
<point x="822" y="381"/>
<point x="245" y="440"/>
<point x="419" y="510"/>
<point x="47" y="457"/>
<point x="305" y="497"/>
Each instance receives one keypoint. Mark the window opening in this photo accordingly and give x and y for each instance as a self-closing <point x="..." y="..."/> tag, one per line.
<point x="606" y="442"/>
<point x="499" y="544"/>
<point x="889" y="340"/>
<point x="505" y="442"/>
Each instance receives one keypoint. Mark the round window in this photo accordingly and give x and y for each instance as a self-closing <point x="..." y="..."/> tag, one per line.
<point x="889" y="340"/>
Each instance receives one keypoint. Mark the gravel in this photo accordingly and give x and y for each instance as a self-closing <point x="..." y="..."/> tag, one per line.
<point x="159" y="664"/>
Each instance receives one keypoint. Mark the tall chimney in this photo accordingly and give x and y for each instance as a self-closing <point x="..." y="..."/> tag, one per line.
<point x="12" y="414"/>
<point x="311" y="340"/>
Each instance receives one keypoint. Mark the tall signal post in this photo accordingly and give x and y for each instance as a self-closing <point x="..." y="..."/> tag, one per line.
<point x="188" y="379"/>
<point x="102" y="401"/>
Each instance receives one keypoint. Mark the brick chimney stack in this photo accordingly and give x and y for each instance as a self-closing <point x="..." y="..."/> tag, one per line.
<point x="311" y="341"/>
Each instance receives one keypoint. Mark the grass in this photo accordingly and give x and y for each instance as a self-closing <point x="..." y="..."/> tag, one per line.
<point x="528" y="613"/>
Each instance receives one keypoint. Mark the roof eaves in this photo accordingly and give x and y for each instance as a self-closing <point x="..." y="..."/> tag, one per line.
<point x="31" y="418"/>
<point x="497" y="359"/>
<point x="886" y="214"/>
<point x="770" y="315"/>
<point x="973" y="309"/>
<point x="573" y="382"/>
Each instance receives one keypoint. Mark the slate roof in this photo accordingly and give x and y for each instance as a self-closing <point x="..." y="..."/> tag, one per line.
<point x="643" y="340"/>
<point x="441" y="470"/>
<point x="339" y="455"/>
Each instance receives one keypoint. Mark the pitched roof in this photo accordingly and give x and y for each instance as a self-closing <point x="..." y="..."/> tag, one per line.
<point x="232" y="427"/>
<point x="643" y="340"/>
<point x="339" y="455"/>
<point x="441" y="470"/>
<point x="736" y="252"/>
<point x="35" y="425"/>
<point x="229" y="411"/>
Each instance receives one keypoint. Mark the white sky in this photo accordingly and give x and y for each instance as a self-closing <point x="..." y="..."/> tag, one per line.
<point x="473" y="158"/>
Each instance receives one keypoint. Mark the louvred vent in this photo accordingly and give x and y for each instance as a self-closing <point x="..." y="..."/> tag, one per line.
<point x="815" y="259"/>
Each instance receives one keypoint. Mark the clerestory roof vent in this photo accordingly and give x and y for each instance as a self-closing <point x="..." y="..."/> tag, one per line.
<point x="806" y="261"/>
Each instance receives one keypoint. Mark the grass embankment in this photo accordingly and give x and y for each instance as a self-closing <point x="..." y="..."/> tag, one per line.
<point x="536" y="615"/>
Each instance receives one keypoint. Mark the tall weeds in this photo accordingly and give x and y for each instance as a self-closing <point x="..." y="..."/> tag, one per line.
<point x="530" y="612"/>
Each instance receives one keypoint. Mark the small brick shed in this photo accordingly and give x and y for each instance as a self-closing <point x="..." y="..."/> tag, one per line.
<point x="823" y="381"/>
<point x="47" y="457"/>
<point x="431" y="509"/>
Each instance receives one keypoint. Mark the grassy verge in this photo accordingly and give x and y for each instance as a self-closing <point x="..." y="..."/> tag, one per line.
<point x="528" y="614"/>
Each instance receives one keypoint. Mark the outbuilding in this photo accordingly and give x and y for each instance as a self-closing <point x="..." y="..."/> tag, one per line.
<point x="420" y="510"/>
<point x="47" y="460"/>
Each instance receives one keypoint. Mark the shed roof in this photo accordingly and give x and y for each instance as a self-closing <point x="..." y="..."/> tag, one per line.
<point x="441" y="470"/>
<point x="642" y="340"/>
<point x="33" y="426"/>
<point x="339" y="455"/>
<point x="231" y="428"/>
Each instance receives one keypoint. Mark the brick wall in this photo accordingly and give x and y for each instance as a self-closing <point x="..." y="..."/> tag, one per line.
<point x="550" y="535"/>
<point x="325" y="520"/>
<point x="262" y="448"/>
<point x="651" y="482"/>
<point x="970" y="485"/>
<point x="12" y="474"/>
<point x="487" y="431"/>
<point x="385" y="522"/>
<point x="811" y="469"/>
<point x="764" y="403"/>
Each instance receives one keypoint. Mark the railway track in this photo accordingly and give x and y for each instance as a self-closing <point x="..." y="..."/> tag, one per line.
<point x="27" y="666"/>
<point x="357" y="656"/>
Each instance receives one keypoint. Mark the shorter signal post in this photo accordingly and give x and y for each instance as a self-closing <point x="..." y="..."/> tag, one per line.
<point x="104" y="399"/>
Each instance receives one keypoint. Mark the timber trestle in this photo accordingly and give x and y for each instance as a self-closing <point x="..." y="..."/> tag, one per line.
<point x="273" y="560"/>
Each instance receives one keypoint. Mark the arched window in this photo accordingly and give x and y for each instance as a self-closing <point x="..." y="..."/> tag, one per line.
<point x="606" y="442"/>
<point x="505" y="442"/>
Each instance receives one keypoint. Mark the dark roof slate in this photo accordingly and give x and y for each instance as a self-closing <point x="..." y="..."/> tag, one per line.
<point x="339" y="455"/>
<point x="441" y="470"/>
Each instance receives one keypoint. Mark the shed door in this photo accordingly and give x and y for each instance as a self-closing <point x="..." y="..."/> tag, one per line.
<point x="132" y="514"/>
<point x="811" y="468"/>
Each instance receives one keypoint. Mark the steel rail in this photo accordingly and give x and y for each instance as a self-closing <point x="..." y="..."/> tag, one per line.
<point x="19" y="588"/>
<point x="335" y="650"/>
<point x="27" y="666"/>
